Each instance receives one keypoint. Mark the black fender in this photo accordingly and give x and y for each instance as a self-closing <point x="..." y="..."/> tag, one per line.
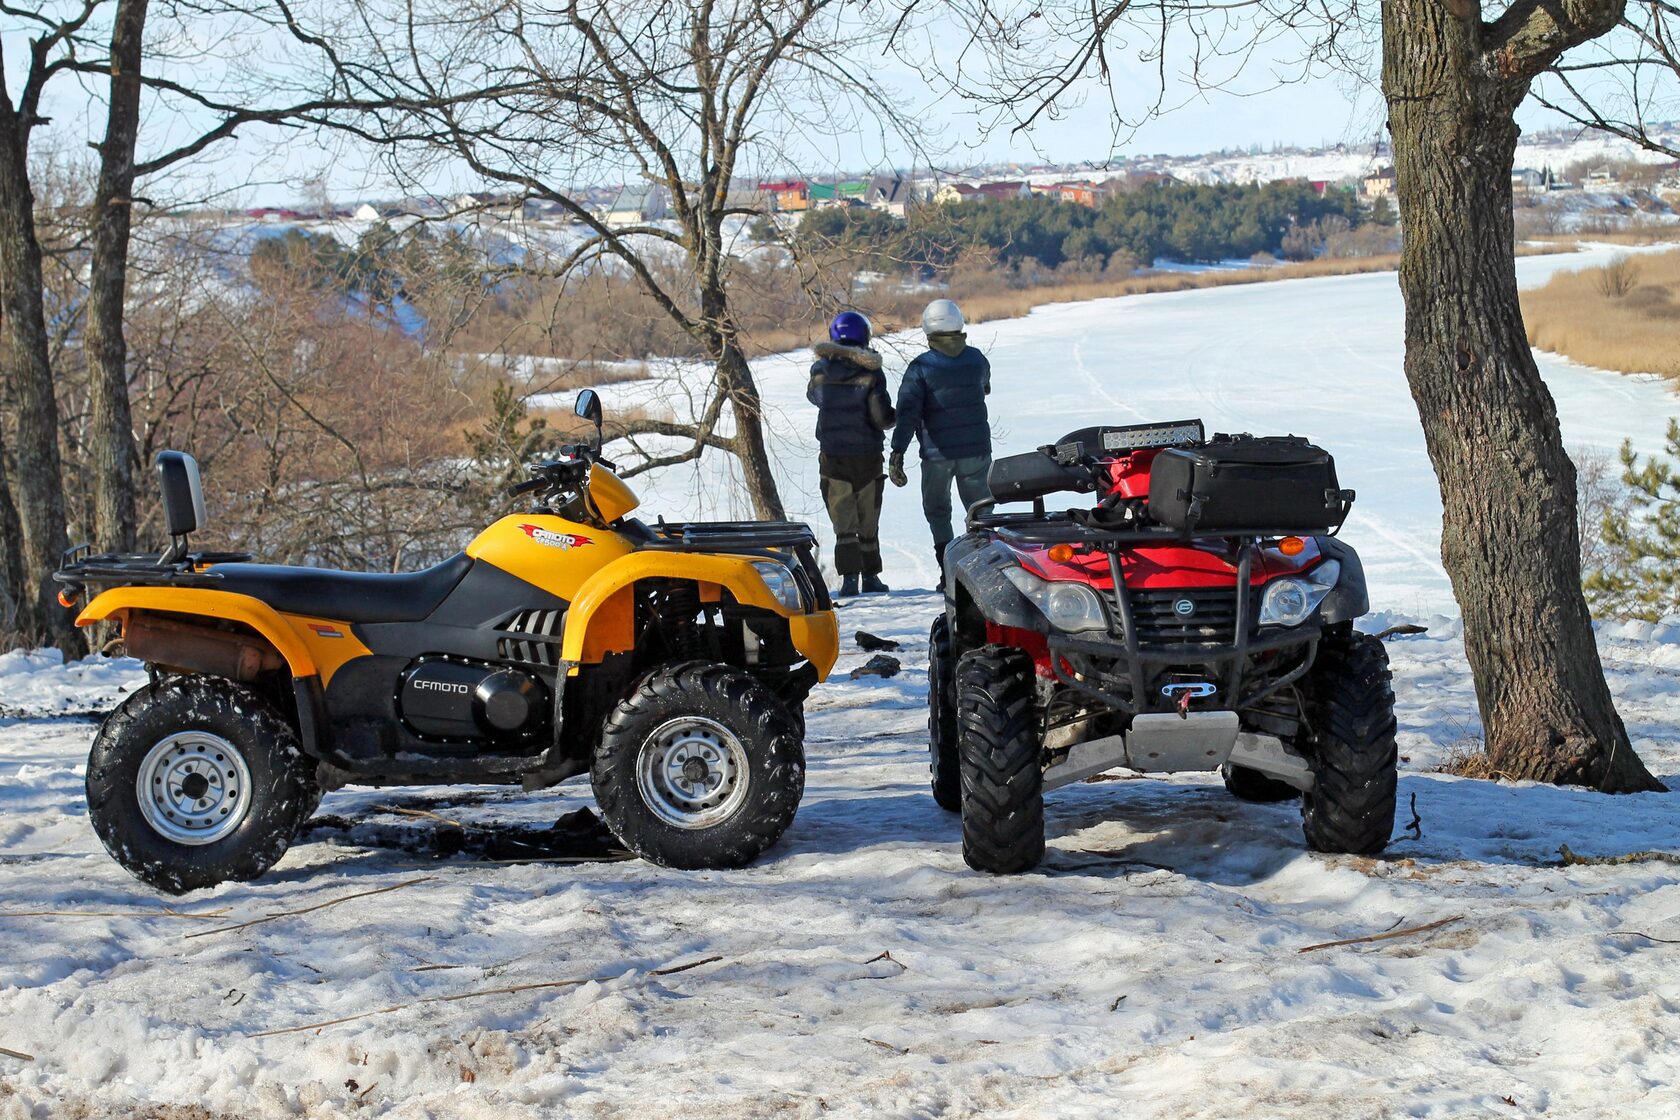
<point x="974" y="567"/>
<point x="1349" y="599"/>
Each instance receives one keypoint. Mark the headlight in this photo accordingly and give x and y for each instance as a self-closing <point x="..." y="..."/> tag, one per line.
<point x="1068" y="606"/>
<point x="1291" y="601"/>
<point x="781" y="583"/>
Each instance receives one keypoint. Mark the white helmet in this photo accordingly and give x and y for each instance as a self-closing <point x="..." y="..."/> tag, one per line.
<point x="942" y="316"/>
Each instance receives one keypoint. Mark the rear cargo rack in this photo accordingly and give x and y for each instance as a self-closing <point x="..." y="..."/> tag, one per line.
<point x="83" y="567"/>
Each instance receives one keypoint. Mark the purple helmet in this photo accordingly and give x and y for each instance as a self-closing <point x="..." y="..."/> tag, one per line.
<point x="849" y="328"/>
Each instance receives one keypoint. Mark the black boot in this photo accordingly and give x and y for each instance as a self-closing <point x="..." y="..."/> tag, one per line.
<point x="848" y="586"/>
<point x="872" y="585"/>
<point x="939" y="554"/>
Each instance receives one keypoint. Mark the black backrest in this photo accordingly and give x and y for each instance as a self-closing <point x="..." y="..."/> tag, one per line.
<point x="183" y="493"/>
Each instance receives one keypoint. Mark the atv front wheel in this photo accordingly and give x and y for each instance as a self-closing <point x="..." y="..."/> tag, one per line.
<point x="197" y="781"/>
<point x="700" y="767"/>
<point x="942" y="719"/>
<point x="1350" y="708"/>
<point x="1247" y="784"/>
<point x="998" y="748"/>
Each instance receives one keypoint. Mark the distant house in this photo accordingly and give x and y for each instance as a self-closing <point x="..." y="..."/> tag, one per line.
<point x="1009" y="189"/>
<point x="955" y="192"/>
<point x="1378" y="184"/>
<point x="889" y="193"/>
<point x="1599" y="179"/>
<point x="367" y="212"/>
<point x="1525" y="179"/>
<point x="793" y="194"/>
<point x="1080" y="194"/>
<point x="754" y="201"/>
<point x="634" y="206"/>
<point x="1320" y="187"/>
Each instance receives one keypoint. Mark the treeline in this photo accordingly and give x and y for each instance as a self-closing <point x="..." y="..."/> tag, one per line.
<point x="1182" y="222"/>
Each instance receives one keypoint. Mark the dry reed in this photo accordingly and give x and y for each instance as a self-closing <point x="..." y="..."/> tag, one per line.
<point x="1622" y="316"/>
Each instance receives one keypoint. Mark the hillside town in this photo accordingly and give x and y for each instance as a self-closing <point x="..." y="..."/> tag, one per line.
<point x="1551" y="162"/>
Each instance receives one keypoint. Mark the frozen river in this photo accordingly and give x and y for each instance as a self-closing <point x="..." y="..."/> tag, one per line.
<point x="1319" y="358"/>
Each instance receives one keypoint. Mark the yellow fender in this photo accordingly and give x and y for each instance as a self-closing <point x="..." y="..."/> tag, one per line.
<point x="308" y="651"/>
<point x="601" y="619"/>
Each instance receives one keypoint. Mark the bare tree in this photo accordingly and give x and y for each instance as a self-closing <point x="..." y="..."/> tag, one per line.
<point x="109" y="41"/>
<point x="1625" y="81"/>
<point x="37" y="480"/>
<point x="112" y="426"/>
<point x="1453" y="75"/>
<point x="680" y="101"/>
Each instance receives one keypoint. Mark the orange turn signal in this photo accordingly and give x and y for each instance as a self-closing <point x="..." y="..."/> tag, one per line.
<point x="1292" y="546"/>
<point x="1061" y="553"/>
<point x="67" y="598"/>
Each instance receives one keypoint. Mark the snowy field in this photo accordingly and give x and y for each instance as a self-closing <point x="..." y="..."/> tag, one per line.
<point x="1154" y="966"/>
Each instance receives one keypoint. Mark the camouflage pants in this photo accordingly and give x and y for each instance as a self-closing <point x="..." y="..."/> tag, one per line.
<point x="852" y="489"/>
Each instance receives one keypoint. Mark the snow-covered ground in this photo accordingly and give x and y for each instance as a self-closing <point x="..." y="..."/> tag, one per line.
<point x="1152" y="968"/>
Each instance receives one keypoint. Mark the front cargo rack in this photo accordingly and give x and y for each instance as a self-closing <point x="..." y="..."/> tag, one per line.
<point x="712" y="536"/>
<point x="1060" y="528"/>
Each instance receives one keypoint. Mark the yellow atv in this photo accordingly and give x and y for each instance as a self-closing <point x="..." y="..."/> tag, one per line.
<point x="669" y="661"/>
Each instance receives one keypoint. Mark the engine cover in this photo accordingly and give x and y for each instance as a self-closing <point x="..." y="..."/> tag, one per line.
<point x="452" y="698"/>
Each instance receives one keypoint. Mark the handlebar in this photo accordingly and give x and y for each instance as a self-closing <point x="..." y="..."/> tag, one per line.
<point x="568" y="471"/>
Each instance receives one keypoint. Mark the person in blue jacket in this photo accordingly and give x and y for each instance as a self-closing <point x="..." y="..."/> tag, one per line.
<point x="853" y="415"/>
<point x="942" y="403"/>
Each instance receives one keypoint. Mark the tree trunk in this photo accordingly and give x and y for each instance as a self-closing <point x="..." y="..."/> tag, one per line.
<point x="736" y="379"/>
<point x="111" y="429"/>
<point x="39" y="487"/>
<point x="17" y="610"/>
<point x="1509" y="536"/>
<point x="750" y="445"/>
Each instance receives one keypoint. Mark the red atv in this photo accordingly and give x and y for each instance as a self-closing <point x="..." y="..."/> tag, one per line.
<point x="1199" y="616"/>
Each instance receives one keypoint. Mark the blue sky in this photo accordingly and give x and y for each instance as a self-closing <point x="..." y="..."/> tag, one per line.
<point x="1268" y="104"/>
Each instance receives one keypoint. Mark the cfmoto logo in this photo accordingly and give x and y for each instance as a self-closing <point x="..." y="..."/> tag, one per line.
<point x="1184" y="608"/>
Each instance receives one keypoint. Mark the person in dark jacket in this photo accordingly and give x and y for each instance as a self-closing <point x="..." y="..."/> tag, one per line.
<point x="853" y="415"/>
<point x="942" y="403"/>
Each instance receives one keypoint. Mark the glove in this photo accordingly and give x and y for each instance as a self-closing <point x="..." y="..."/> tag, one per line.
<point x="895" y="469"/>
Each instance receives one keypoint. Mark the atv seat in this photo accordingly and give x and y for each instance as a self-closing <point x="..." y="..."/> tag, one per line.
<point x="346" y="596"/>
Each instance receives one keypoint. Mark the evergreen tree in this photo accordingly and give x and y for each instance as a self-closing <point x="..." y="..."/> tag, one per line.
<point x="1642" y="577"/>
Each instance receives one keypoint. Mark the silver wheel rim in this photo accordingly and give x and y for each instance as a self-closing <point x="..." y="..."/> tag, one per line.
<point x="692" y="772"/>
<point x="194" y="788"/>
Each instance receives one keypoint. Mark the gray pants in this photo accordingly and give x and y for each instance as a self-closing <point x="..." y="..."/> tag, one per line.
<point x="937" y="476"/>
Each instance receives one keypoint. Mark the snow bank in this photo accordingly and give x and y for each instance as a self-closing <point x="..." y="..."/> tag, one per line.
<point x="1151" y="969"/>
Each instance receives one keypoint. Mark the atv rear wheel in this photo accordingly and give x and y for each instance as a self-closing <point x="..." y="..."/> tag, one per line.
<point x="700" y="767"/>
<point x="197" y="781"/>
<point x="998" y="750"/>
<point x="1349" y="704"/>
<point x="942" y="719"/>
<point x="1247" y="784"/>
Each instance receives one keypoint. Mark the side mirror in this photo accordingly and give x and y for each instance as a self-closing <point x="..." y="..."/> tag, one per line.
<point x="183" y="493"/>
<point x="589" y="408"/>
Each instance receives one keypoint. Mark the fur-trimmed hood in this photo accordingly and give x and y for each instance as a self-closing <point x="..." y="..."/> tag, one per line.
<point x="860" y="356"/>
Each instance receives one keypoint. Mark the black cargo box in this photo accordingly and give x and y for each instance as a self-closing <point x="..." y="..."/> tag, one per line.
<point x="1278" y="483"/>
